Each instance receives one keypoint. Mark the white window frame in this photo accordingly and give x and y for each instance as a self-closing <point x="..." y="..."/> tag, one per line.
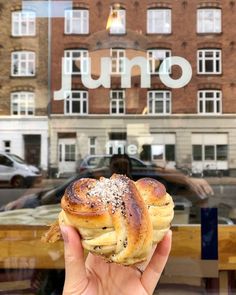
<point x="117" y="98"/>
<point x="24" y="60"/>
<point x="92" y="146"/>
<point x="216" y="58"/>
<point x="159" y="21"/>
<point x="202" y="20"/>
<point x="166" y="99"/>
<point x="157" y="55"/>
<point x="21" y="19"/>
<point x="68" y="98"/>
<point x="76" y="24"/>
<point x="121" y="30"/>
<point x="7" y="149"/>
<point x="76" y="55"/>
<point x="216" y="100"/>
<point x="23" y="100"/>
<point x="118" y="61"/>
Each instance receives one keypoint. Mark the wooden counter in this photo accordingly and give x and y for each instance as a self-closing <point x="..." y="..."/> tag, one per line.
<point x="21" y="247"/>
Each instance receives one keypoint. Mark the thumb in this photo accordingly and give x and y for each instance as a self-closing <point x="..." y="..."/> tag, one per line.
<point x="76" y="277"/>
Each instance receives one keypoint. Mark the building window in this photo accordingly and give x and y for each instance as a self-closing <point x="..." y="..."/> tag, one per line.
<point x="23" y="63"/>
<point x="7" y="146"/>
<point x="159" y="102"/>
<point x="209" y="61"/>
<point x="23" y="23"/>
<point x="92" y="145"/>
<point x="209" y="102"/>
<point x="76" y="102"/>
<point x="77" y="21"/>
<point x="122" y="28"/>
<point x="117" y="61"/>
<point x="214" y="152"/>
<point x="117" y="102"/>
<point x="209" y="20"/>
<point x="22" y="104"/>
<point x="76" y="61"/>
<point x="159" y="21"/>
<point x="69" y="152"/>
<point x="155" y="59"/>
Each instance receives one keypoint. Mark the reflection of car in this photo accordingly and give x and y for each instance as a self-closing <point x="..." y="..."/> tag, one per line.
<point x="54" y="195"/>
<point x="100" y="161"/>
<point x="89" y="162"/>
<point x="17" y="173"/>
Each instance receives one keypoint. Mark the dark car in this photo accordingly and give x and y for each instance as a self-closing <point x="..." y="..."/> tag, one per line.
<point x="100" y="161"/>
<point x="54" y="195"/>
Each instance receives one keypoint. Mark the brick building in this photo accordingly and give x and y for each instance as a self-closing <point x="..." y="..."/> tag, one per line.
<point x="190" y="126"/>
<point x="24" y="82"/>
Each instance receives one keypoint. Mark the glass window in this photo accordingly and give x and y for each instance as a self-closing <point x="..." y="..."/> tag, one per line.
<point x="117" y="61"/>
<point x="155" y="59"/>
<point x="209" y="20"/>
<point x="117" y="102"/>
<point x="159" y="102"/>
<point x="170" y="152"/>
<point x="23" y="23"/>
<point x="197" y="152"/>
<point x="209" y="61"/>
<point x="76" y="102"/>
<point x="121" y="29"/>
<point x="92" y="145"/>
<point x="7" y="146"/>
<point x="222" y="152"/>
<point x="159" y="21"/>
<point x="23" y="63"/>
<point x="76" y="61"/>
<point x="209" y="152"/>
<point x="69" y="152"/>
<point x="22" y="104"/>
<point x="209" y="102"/>
<point x="77" y="21"/>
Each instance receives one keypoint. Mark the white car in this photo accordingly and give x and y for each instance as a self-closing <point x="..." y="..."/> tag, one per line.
<point x="16" y="172"/>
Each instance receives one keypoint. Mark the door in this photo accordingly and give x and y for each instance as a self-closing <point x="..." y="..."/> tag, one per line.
<point x="67" y="155"/>
<point x="32" y="144"/>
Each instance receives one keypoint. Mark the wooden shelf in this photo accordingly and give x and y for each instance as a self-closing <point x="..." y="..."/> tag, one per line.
<point x="21" y="247"/>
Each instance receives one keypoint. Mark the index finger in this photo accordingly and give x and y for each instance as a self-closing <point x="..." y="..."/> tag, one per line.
<point x="155" y="267"/>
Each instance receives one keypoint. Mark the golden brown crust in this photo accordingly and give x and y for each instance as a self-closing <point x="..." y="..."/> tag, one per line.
<point x="118" y="218"/>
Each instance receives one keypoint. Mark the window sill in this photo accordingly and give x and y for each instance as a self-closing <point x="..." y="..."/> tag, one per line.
<point x="24" y="36"/>
<point x="209" y="34"/>
<point x="23" y="77"/>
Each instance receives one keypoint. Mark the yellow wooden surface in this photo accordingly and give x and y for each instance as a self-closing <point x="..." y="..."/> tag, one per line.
<point x="20" y="247"/>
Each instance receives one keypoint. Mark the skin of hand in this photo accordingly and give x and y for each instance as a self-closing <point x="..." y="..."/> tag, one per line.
<point x="95" y="276"/>
<point x="200" y="186"/>
<point x="17" y="204"/>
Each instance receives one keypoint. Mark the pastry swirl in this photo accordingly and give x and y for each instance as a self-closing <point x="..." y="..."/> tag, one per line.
<point x="117" y="218"/>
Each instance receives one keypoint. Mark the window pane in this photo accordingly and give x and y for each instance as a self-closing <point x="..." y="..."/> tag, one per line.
<point x="209" y="152"/>
<point x="170" y="152"/>
<point x="197" y="152"/>
<point x="222" y="152"/>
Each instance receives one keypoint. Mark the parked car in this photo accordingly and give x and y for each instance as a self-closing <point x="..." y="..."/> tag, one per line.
<point x="16" y="172"/>
<point x="100" y="161"/>
<point x="89" y="162"/>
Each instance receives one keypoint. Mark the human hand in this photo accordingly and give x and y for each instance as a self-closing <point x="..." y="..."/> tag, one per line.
<point x="17" y="204"/>
<point x="96" y="276"/>
<point x="200" y="186"/>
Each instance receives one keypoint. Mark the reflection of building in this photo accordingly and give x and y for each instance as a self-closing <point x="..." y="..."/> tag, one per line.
<point x="193" y="125"/>
<point x="24" y="82"/>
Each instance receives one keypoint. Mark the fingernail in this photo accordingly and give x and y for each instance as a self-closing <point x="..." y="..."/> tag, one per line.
<point x="64" y="233"/>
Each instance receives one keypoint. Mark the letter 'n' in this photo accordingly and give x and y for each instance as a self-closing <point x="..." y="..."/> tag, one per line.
<point x="104" y="79"/>
<point x="126" y="76"/>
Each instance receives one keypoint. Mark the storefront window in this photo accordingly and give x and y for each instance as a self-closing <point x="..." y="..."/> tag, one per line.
<point x="150" y="84"/>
